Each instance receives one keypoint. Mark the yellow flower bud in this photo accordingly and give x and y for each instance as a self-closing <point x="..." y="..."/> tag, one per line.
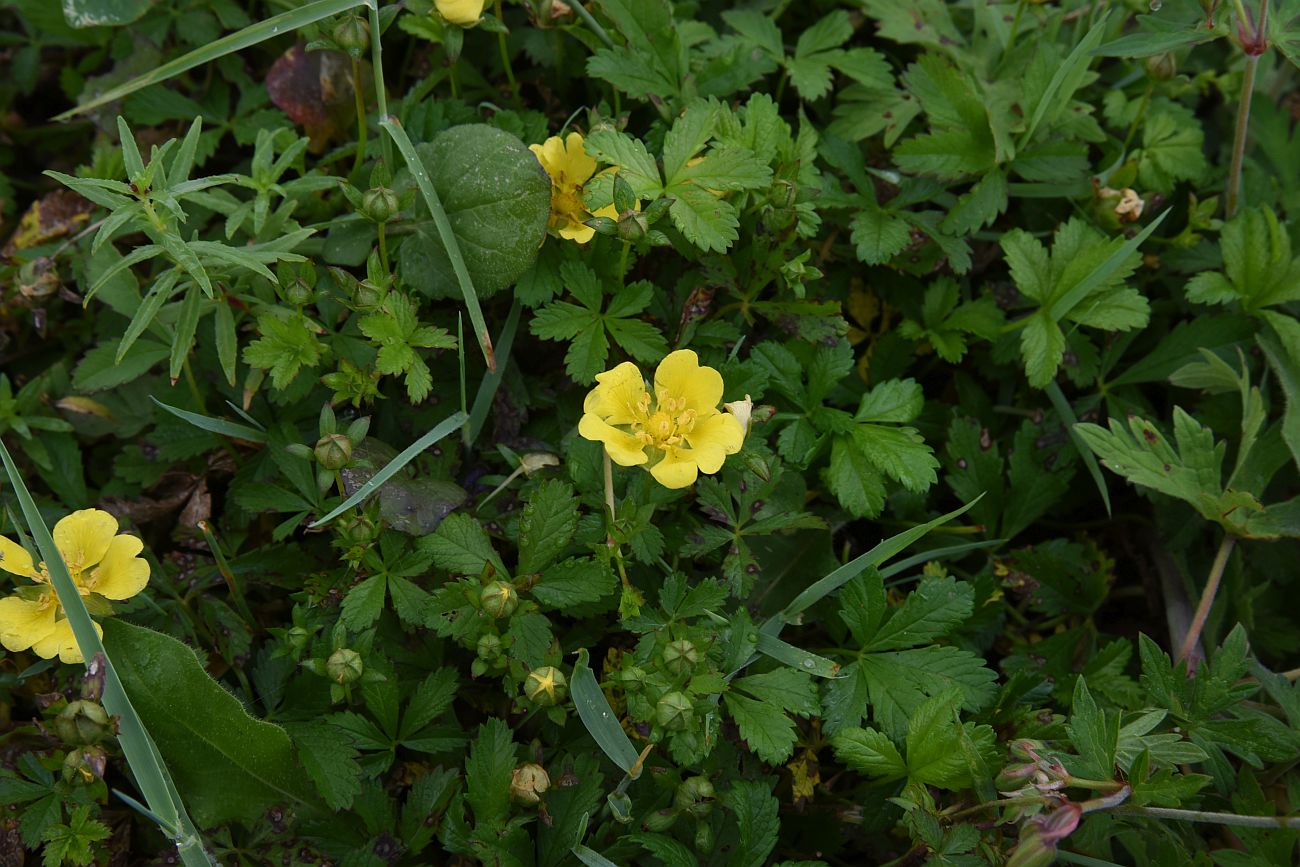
<point x="463" y="12"/>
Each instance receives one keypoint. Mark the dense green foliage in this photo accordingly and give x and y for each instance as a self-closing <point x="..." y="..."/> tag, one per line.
<point x="999" y="576"/>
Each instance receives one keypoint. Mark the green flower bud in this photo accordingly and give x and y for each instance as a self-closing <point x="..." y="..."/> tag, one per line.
<point x="86" y="762"/>
<point x="546" y="686"/>
<point x="632" y="226"/>
<point x="660" y="820"/>
<point x="344" y="666"/>
<point x="358" y="530"/>
<point x="656" y="209"/>
<point x="528" y="783"/>
<point x="298" y="292"/>
<point x="333" y="451"/>
<point x="489" y="647"/>
<point x="620" y="806"/>
<point x="703" y="837"/>
<point x="368" y="296"/>
<point x="1032" y="851"/>
<point x="603" y="225"/>
<point x="297" y="637"/>
<point x="499" y="599"/>
<point x="674" y="712"/>
<point x="83" y="723"/>
<point x="379" y="204"/>
<point x="680" y="656"/>
<point x="695" y="796"/>
<point x="1162" y="67"/>
<point x="352" y="34"/>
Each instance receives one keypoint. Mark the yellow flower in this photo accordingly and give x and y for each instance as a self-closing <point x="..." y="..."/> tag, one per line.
<point x="569" y="167"/>
<point x="677" y="434"/>
<point x="462" y="12"/>
<point x="100" y="561"/>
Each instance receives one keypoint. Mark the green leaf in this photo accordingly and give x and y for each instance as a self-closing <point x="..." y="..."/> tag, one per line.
<point x="870" y="752"/>
<point x="854" y="479"/>
<point x="877" y="235"/>
<point x="784" y="688"/>
<point x="103" y="13"/>
<point x="764" y="727"/>
<point x="285" y="347"/>
<point x="1094" y="733"/>
<point x="934" y="753"/>
<point x="497" y="199"/>
<point x="653" y="61"/>
<point x="487" y="774"/>
<point x="230" y="765"/>
<point x="547" y="525"/>
<point x="99" y="369"/>
<point x="933" y="609"/>
<point x="71" y="843"/>
<point x="573" y="582"/>
<point x="460" y="545"/>
<point x="756" y="809"/>
<point x="328" y="754"/>
<point x="364" y="603"/>
<point x="1258" y="268"/>
<point x="1173" y="148"/>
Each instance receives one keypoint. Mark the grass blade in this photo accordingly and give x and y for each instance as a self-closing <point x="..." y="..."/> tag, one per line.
<point x="390" y="469"/>
<point x="1080" y="290"/>
<point x="796" y="657"/>
<point x="149" y="772"/>
<point x="599" y="718"/>
<point x="937" y="554"/>
<point x="487" y="389"/>
<point x="276" y="25"/>
<point x="440" y="221"/>
<point x="215" y="425"/>
<point x="877" y="555"/>
<point x="1066" y="412"/>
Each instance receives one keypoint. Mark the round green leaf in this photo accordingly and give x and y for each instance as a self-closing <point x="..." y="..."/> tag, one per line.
<point x="497" y="198"/>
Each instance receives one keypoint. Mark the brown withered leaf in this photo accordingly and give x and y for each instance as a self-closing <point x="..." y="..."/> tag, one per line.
<point x="54" y="215"/>
<point x="314" y="88"/>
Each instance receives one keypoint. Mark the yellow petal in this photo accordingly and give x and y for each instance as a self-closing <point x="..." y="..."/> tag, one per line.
<point x="550" y="154"/>
<point x="713" y="438"/>
<point x="578" y="166"/>
<point x="680" y="377"/>
<point x="677" y="469"/>
<point x="24" y="623"/>
<point x="574" y="230"/>
<point x="62" y="643"/>
<point x="623" y="448"/>
<point x="15" y="560"/>
<point x="122" y="573"/>
<point x="83" y="537"/>
<point x="618" y="395"/>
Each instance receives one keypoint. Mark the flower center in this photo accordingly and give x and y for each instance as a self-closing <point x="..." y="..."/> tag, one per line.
<point x="667" y="426"/>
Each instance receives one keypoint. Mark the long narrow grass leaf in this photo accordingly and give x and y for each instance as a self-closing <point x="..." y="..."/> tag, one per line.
<point x="1066" y="412"/>
<point x="150" y="774"/>
<point x="277" y="25"/>
<point x="796" y="657"/>
<point x="1098" y="275"/>
<point x="215" y="425"/>
<point x="487" y="389"/>
<point x="440" y="221"/>
<point x="391" y="469"/>
<point x="945" y="553"/>
<point x="877" y="555"/>
<point x="599" y="718"/>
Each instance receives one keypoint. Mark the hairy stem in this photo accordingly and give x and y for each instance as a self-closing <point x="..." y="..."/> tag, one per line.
<point x="362" y="127"/>
<point x="1289" y="822"/>
<point x="377" y="62"/>
<point x="505" y="54"/>
<point x="1232" y="197"/>
<point x="1207" y="597"/>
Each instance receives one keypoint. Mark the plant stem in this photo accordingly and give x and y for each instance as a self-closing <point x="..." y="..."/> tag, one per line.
<point x="1207" y="597"/>
<point x="362" y="130"/>
<point x="505" y="54"/>
<point x="1232" y="196"/>
<point x="377" y="62"/>
<point x="592" y="23"/>
<point x="1236" y="819"/>
<point x="383" y="250"/>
